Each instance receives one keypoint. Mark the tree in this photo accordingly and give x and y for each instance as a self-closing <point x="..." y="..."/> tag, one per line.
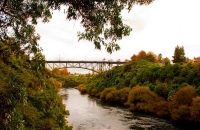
<point x="134" y="57"/>
<point x="141" y="55"/>
<point x="65" y="71"/>
<point x="101" y="19"/>
<point x="166" y="61"/>
<point x="17" y="20"/>
<point x="179" y="55"/>
<point x="152" y="57"/>
<point x="160" y="59"/>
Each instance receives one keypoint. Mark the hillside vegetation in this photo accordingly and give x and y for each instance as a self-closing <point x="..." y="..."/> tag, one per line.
<point x="29" y="95"/>
<point x="153" y="86"/>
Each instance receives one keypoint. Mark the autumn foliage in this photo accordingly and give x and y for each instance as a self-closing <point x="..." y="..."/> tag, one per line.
<point x="82" y="88"/>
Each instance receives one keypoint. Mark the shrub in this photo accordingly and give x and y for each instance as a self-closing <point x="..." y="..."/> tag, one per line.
<point x="195" y="109"/>
<point x="143" y="99"/>
<point x="162" y="108"/>
<point x="82" y="88"/>
<point x="161" y="90"/>
<point x="55" y="82"/>
<point x="93" y="92"/>
<point x="123" y="94"/>
<point x="184" y="96"/>
<point x="181" y="113"/>
<point x="30" y="115"/>
<point x="179" y="105"/>
<point x="112" y="96"/>
<point x="105" y="92"/>
<point x="198" y="90"/>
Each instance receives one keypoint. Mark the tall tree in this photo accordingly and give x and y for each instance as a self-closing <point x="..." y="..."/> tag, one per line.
<point x="160" y="59"/>
<point x="179" y="55"/>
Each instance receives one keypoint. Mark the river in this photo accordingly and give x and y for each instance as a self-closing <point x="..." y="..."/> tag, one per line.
<point x="88" y="113"/>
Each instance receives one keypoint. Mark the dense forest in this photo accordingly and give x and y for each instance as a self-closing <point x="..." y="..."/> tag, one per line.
<point x="151" y="84"/>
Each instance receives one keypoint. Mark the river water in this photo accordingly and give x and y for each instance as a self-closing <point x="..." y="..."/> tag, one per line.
<point x="88" y="113"/>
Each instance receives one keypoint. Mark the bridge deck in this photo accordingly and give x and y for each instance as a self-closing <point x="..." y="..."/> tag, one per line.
<point x="95" y="66"/>
<point x="107" y="62"/>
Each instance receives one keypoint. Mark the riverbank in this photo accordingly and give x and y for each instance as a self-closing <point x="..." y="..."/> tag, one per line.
<point x="141" y="99"/>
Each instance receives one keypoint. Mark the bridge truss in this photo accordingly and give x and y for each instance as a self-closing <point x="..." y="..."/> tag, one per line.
<point x="94" y="66"/>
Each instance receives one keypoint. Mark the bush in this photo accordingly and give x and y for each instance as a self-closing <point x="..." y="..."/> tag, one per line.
<point x="112" y="96"/>
<point x="184" y="96"/>
<point x="161" y="90"/>
<point x="123" y="94"/>
<point x="195" y="109"/>
<point x="82" y="88"/>
<point x="55" y="82"/>
<point x="179" y="105"/>
<point x="143" y="99"/>
<point x="105" y="92"/>
<point x="180" y="113"/>
<point x="162" y="108"/>
<point x="31" y="115"/>
<point x="93" y="92"/>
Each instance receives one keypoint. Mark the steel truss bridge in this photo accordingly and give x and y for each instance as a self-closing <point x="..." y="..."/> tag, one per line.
<point x="94" y="66"/>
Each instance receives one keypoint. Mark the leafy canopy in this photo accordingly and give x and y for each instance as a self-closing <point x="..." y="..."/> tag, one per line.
<point x="101" y="19"/>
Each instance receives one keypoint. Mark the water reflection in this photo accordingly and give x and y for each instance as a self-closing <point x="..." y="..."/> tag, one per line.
<point x="90" y="114"/>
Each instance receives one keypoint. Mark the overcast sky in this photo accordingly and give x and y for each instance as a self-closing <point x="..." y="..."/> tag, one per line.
<point x="158" y="27"/>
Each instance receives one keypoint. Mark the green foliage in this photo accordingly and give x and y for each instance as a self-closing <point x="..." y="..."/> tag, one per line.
<point x="142" y="98"/>
<point x="114" y="95"/>
<point x="67" y="80"/>
<point x="179" y="106"/>
<point x="163" y="79"/>
<point x="94" y="92"/>
<point x="105" y="92"/>
<point x="123" y="94"/>
<point x="161" y="90"/>
<point x="179" y="55"/>
<point x="56" y="83"/>
<point x="28" y="97"/>
<point x="103" y="29"/>
<point x="31" y="115"/>
<point x="18" y="41"/>
<point x="170" y="91"/>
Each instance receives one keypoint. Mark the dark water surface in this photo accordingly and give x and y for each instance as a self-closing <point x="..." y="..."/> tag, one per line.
<point x="90" y="114"/>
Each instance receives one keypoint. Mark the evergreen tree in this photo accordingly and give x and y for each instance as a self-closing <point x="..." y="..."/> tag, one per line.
<point x="179" y="55"/>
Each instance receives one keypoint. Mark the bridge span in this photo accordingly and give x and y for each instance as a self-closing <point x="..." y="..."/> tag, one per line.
<point x="95" y="66"/>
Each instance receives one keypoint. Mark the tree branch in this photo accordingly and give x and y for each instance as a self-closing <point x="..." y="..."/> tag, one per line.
<point x="11" y="10"/>
<point x="4" y="4"/>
